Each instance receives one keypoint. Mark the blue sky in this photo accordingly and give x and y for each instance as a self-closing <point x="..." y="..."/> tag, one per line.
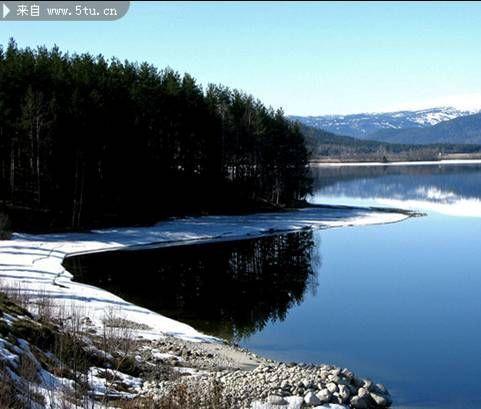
<point x="308" y="58"/>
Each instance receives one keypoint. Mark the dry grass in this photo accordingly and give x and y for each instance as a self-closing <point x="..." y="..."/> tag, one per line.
<point x="59" y="349"/>
<point x="118" y="339"/>
<point x="44" y="307"/>
<point x="24" y="394"/>
<point x="60" y="343"/>
<point x="184" y="396"/>
<point x="9" y="395"/>
<point x="28" y="372"/>
<point x="16" y="294"/>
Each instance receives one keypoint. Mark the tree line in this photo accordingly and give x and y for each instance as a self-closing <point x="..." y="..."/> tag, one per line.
<point x="323" y="145"/>
<point x="86" y="141"/>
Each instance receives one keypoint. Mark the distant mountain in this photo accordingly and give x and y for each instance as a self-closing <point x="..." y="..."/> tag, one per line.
<point x="362" y="126"/>
<point x="465" y="129"/>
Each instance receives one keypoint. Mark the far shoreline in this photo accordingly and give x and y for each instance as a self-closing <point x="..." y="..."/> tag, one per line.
<point x="400" y="163"/>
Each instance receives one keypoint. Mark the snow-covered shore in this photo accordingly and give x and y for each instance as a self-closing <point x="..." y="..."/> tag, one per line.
<point x="33" y="263"/>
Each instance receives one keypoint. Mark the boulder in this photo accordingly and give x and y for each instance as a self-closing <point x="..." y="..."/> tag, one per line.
<point x="359" y="402"/>
<point x="312" y="399"/>
<point x="380" y="388"/>
<point x="381" y="400"/>
<point x="367" y="383"/>
<point x="332" y="387"/>
<point x="344" y="393"/>
<point x="324" y="395"/>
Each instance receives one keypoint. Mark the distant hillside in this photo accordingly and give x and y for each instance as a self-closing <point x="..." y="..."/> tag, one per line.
<point x="466" y="129"/>
<point x="323" y="145"/>
<point x="363" y="125"/>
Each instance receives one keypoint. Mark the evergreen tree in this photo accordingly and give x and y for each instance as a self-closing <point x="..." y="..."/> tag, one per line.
<point x="87" y="142"/>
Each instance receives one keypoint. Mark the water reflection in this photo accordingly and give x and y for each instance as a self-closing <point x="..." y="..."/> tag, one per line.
<point x="230" y="289"/>
<point x="399" y="303"/>
<point x="447" y="189"/>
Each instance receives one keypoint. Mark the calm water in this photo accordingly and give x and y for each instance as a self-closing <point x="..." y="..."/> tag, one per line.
<point x="400" y="303"/>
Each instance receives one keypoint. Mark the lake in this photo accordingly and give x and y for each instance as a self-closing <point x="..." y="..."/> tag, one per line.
<point x="400" y="303"/>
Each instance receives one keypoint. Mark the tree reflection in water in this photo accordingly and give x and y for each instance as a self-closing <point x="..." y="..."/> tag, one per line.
<point x="229" y="289"/>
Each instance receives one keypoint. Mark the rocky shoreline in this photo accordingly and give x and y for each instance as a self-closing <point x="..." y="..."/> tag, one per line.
<point x="249" y="381"/>
<point x="61" y="361"/>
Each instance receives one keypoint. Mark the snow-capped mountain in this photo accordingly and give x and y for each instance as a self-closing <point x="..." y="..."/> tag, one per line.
<point x="362" y="125"/>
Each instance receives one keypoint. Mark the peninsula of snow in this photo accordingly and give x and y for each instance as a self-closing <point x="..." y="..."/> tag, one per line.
<point x="34" y="263"/>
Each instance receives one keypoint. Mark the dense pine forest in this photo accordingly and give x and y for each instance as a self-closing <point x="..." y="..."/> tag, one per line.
<point x="86" y="141"/>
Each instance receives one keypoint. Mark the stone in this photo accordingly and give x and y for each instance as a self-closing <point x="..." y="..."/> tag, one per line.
<point x="324" y="395"/>
<point x="307" y="383"/>
<point x="358" y="402"/>
<point x="312" y="399"/>
<point x="344" y="393"/>
<point x="381" y="400"/>
<point x="381" y="389"/>
<point x="343" y="381"/>
<point x="347" y="373"/>
<point x="367" y="384"/>
<point x="331" y="387"/>
<point x="266" y="405"/>
<point x="295" y="402"/>
<point x="334" y="378"/>
<point x="353" y="389"/>
<point x="363" y="392"/>
<point x="276" y="400"/>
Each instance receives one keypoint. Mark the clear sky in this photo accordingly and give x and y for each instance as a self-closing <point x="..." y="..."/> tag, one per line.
<point x="308" y="58"/>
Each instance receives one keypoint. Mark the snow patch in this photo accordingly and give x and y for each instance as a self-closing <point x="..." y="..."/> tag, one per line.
<point x="102" y="381"/>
